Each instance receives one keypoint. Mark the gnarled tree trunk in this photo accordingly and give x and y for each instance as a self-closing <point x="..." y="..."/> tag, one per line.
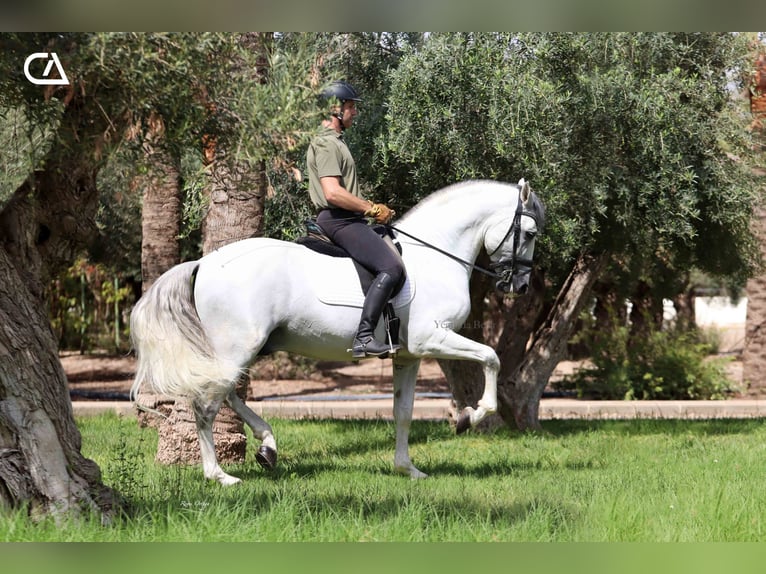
<point x="464" y="377"/>
<point x="505" y="325"/>
<point x="519" y="394"/>
<point x="46" y="220"/>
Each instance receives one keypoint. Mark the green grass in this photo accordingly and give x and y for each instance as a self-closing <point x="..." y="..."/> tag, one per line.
<point x="643" y="480"/>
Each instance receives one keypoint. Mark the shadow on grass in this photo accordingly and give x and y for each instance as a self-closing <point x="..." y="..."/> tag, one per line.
<point x="432" y="514"/>
<point x="647" y="426"/>
<point x="427" y="431"/>
<point x="510" y="467"/>
<point x="367" y="438"/>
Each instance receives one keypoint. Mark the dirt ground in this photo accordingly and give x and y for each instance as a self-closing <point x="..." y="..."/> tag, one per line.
<point x="100" y="376"/>
<point x="103" y="376"/>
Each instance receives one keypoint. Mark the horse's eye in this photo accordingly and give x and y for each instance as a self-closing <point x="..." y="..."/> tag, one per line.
<point x="531" y="235"/>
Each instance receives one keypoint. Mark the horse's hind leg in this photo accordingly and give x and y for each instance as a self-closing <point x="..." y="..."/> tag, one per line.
<point x="204" y="413"/>
<point x="405" y="376"/>
<point x="267" y="453"/>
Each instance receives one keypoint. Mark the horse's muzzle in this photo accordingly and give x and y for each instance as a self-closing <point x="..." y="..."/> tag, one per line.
<point x="514" y="278"/>
<point x="520" y="279"/>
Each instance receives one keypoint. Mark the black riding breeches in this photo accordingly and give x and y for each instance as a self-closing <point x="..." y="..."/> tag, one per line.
<point x="351" y="231"/>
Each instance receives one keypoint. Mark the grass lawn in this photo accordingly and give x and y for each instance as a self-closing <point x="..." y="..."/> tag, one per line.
<point x="643" y="480"/>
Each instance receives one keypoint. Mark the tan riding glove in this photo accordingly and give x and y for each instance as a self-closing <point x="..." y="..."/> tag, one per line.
<point x="380" y="212"/>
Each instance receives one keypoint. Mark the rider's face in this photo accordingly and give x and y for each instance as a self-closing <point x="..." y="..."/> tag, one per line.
<point x="350" y="112"/>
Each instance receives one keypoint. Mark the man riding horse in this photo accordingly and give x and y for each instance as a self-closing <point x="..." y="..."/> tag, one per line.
<point x="342" y="213"/>
<point x="196" y="330"/>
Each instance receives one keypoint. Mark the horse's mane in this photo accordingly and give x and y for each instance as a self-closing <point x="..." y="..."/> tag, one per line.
<point x="443" y="195"/>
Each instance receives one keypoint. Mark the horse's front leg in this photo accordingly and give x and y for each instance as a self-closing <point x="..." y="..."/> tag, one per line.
<point x="487" y="405"/>
<point x="204" y="414"/>
<point x="449" y="345"/>
<point x="405" y="377"/>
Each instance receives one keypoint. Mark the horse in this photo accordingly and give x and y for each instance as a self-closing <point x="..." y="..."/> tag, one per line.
<point x="203" y="323"/>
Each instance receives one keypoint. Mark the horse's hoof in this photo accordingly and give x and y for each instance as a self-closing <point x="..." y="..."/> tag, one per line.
<point x="266" y="457"/>
<point x="463" y="422"/>
<point x="228" y="480"/>
<point x="411" y="471"/>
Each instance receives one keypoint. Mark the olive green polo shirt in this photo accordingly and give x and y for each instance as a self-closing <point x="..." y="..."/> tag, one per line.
<point x="328" y="155"/>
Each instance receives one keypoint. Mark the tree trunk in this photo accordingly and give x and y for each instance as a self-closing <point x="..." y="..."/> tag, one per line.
<point x="161" y="209"/>
<point x="236" y="205"/>
<point x="754" y="355"/>
<point x="646" y="312"/>
<point x="47" y="219"/>
<point x="236" y="211"/>
<point x="160" y="188"/>
<point x="519" y="394"/>
<point x="506" y="324"/>
<point x="684" y="306"/>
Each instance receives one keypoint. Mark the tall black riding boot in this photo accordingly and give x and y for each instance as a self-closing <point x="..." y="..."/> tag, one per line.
<point x="364" y="344"/>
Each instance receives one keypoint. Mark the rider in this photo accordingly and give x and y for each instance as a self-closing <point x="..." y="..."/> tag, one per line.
<point x="342" y="210"/>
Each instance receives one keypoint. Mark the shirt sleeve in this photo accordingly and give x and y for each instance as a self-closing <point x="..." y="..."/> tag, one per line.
<point x="328" y="159"/>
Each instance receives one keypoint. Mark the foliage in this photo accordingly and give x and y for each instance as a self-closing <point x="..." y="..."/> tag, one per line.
<point x="660" y="365"/>
<point x="287" y="209"/>
<point x="89" y="305"/>
<point x="204" y="86"/>
<point x="366" y="59"/>
<point x="362" y="59"/>
<point x="119" y="215"/>
<point x="634" y="141"/>
<point x="201" y="85"/>
<point x="26" y="146"/>
<point x="275" y="115"/>
<point x="638" y="481"/>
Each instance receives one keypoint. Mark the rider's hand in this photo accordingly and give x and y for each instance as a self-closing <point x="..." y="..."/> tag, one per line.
<point x="380" y="212"/>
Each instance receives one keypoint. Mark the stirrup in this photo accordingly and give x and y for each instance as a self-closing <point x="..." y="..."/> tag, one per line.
<point x="361" y="351"/>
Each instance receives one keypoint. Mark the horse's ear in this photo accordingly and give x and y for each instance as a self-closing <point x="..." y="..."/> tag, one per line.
<point x="524" y="190"/>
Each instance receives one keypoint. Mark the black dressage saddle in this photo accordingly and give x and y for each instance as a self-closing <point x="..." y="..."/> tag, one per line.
<point x="316" y="240"/>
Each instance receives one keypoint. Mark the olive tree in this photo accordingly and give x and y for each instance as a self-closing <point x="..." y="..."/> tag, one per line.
<point x="634" y="142"/>
<point x="116" y="81"/>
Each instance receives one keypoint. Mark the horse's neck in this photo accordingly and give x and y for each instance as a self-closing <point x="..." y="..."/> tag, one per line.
<point x="457" y="220"/>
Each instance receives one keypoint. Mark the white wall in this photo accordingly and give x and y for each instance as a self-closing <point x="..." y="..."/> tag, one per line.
<point x="725" y="317"/>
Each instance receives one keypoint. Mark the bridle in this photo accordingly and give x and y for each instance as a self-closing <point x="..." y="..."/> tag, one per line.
<point x="505" y="269"/>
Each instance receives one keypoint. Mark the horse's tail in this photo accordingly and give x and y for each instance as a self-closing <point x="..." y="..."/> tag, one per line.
<point x="175" y="357"/>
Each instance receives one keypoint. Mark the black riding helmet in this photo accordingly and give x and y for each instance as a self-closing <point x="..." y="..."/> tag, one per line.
<point x="342" y="91"/>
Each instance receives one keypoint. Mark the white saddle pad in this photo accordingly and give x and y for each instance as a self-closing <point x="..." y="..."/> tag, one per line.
<point x="336" y="282"/>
